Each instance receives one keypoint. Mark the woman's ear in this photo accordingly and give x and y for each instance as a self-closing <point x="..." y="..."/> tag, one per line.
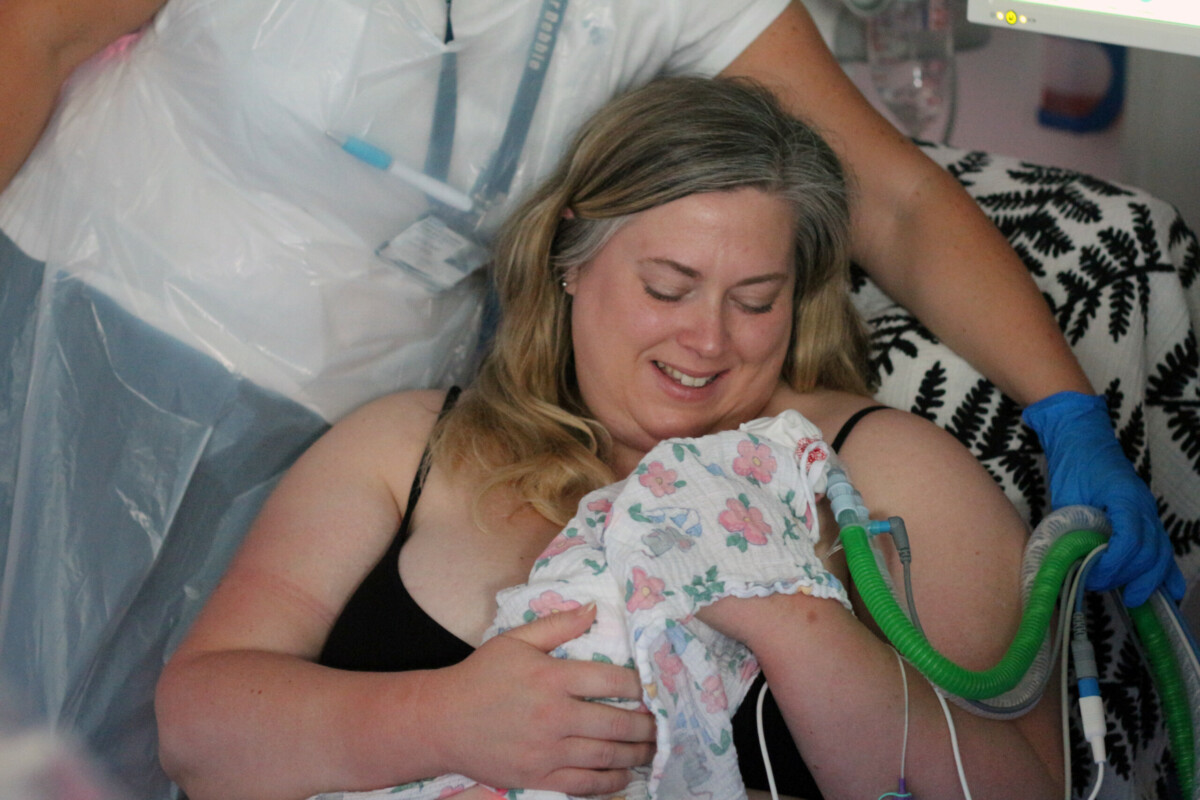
<point x="569" y="281"/>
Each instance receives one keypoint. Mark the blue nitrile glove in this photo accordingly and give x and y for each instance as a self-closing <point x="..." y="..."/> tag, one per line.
<point x="1088" y="467"/>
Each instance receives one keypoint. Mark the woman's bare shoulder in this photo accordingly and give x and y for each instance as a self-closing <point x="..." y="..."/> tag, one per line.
<point x="829" y="410"/>
<point x="414" y="407"/>
<point x="404" y="418"/>
<point x="386" y="437"/>
<point x="891" y="448"/>
<point x="321" y="530"/>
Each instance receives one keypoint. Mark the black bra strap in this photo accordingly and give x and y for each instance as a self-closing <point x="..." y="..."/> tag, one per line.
<point x="414" y="492"/>
<point x="840" y="439"/>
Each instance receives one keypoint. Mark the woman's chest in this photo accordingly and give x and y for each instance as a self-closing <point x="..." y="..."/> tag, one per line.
<point x="458" y="557"/>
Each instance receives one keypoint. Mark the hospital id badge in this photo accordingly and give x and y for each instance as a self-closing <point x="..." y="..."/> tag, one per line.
<point x="434" y="252"/>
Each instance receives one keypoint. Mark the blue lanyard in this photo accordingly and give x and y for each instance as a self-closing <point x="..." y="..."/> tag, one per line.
<point x="441" y="133"/>
<point x="497" y="177"/>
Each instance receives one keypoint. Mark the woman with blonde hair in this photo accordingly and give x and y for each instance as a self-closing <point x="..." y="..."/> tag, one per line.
<point x="672" y="139"/>
<point x="682" y="273"/>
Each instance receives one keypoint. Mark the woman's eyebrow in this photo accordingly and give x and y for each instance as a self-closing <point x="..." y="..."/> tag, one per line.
<point x="690" y="272"/>
<point x="683" y="269"/>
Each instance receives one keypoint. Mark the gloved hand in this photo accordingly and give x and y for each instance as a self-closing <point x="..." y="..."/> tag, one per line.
<point x="1088" y="467"/>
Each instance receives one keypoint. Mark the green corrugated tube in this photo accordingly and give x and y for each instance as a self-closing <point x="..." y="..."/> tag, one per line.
<point x="1039" y="609"/>
<point x="1172" y="693"/>
<point x="965" y="683"/>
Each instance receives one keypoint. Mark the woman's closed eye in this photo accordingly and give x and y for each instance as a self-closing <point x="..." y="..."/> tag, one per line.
<point x="666" y="294"/>
<point x="758" y="298"/>
<point x="758" y="303"/>
<point x="756" y="307"/>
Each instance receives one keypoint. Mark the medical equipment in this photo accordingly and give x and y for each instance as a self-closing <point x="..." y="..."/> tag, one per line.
<point x="1170" y="25"/>
<point x="1074" y="534"/>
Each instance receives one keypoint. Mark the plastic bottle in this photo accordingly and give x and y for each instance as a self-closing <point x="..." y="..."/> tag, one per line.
<point x="910" y="53"/>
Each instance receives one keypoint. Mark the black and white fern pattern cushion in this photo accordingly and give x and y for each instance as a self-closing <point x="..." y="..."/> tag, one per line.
<point x="1119" y="269"/>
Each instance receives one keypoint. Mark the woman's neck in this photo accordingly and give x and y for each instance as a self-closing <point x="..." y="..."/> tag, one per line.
<point x="623" y="460"/>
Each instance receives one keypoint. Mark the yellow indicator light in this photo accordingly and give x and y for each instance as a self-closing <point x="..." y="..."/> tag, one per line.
<point x="1024" y="19"/>
<point x="1011" y="18"/>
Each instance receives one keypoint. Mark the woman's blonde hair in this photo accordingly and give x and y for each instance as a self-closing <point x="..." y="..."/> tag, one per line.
<point x="523" y="423"/>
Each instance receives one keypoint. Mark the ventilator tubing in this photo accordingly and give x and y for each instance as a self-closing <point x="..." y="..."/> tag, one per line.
<point x="1178" y="688"/>
<point x="968" y="684"/>
<point x="1063" y="553"/>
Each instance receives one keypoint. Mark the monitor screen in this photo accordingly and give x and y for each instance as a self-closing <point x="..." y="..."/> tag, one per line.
<point x="1171" y="25"/>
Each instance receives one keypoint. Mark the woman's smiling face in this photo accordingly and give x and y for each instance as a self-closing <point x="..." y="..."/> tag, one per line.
<point x="681" y="323"/>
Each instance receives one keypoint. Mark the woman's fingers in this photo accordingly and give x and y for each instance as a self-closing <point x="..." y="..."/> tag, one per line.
<point x="553" y="630"/>
<point x="557" y="736"/>
<point x="588" y="782"/>
<point x="609" y="724"/>
<point x="606" y="754"/>
<point x="588" y="679"/>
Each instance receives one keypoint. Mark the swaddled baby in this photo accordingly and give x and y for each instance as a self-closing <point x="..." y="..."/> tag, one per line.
<point x="730" y="514"/>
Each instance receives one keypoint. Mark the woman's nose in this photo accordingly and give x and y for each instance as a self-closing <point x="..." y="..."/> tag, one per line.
<point x="705" y="330"/>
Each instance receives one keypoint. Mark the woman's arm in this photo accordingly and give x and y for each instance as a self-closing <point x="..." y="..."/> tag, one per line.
<point x="40" y="44"/>
<point x="917" y="233"/>
<point x="839" y="684"/>
<point x="244" y="712"/>
<point x="931" y="248"/>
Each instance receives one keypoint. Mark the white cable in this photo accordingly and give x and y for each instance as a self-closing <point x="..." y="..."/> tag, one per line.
<point x="962" y="777"/>
<point x="1064" y="710"/>
<point x="904" y="746"/>
<point x="1091" y="716"/>
<point x="762" y="742"/>
<point x="1099" y="782"/>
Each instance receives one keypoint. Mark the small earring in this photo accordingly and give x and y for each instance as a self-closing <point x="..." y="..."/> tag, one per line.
<point x="563" y="283"/>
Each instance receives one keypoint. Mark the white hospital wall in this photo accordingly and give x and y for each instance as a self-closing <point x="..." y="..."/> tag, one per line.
<point x="1160" y="136"/>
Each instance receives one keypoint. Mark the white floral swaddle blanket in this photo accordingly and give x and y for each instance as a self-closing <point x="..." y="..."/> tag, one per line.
<point x="732" y="513"/>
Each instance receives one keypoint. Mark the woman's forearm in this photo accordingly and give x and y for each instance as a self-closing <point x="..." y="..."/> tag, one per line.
<point x="30" y="78"/>
<point x="264" y="725"/>
<point x="40" y="44"/>
<point x="944" y="260"/>
<point x="841" y="692"/>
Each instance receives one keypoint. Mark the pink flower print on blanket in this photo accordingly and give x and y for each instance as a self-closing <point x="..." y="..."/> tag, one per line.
<point x="669" y="666"/>
<point x="559" y="545"/>
<point x="547" y="603"/>
<point x="754" y="461"/>
<point x="744" y="522"/>
<point x="644" y="591"/>
<point x="713" y="694"/>
<point x="658" y="479"/>
<point x="601" y="506"/>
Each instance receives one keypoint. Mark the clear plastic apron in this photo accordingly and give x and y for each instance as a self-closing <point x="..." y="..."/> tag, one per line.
<point x="196" y="294"/>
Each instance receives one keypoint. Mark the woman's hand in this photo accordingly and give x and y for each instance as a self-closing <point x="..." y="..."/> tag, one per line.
<point x="512" y="716"/>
